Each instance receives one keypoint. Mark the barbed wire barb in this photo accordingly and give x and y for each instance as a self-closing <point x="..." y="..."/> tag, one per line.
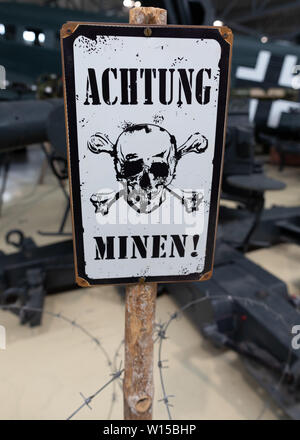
<point x="87" y="400"/>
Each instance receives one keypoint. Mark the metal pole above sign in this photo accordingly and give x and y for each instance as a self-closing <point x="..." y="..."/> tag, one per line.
<point x="146" y="107"/>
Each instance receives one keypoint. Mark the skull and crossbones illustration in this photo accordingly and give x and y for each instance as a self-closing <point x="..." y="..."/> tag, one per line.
<point x="145" y="159"/>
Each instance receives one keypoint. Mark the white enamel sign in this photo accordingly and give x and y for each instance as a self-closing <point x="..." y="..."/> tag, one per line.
<point x="145" y="118"/>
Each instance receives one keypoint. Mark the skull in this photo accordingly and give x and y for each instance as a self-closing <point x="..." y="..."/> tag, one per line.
<point x="145" y="162"/>
<point x="145" y="158"/>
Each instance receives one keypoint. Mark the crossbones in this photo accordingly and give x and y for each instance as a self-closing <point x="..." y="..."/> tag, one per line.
<point x="145" y="159"/>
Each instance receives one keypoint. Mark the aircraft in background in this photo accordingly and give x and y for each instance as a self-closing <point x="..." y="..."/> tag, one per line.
<point x="30" y="53"/>
<point x="30" y="43"/>
<point x="270" y="67"/>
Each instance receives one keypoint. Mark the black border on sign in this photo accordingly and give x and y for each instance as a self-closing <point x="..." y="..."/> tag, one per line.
<point x="91" y="31"/>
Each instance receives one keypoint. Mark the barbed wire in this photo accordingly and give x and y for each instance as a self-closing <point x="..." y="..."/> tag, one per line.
<point x="119" y="382"/>
<point x="24" y="309"/>
<point x="161" y="335"/>
<point x="88" y="400"/>
<point x="111" y="364"/>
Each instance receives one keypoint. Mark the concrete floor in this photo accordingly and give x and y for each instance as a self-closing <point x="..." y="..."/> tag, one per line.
<point x="44" y="369"/>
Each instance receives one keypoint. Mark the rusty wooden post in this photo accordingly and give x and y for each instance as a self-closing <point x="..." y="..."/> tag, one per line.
<point x="138" y="378"/>
<point x="140" y="305"/>
<point x="147" y="16"/>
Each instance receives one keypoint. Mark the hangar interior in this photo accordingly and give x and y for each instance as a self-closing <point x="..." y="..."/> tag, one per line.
<point x="225" y="358"/>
